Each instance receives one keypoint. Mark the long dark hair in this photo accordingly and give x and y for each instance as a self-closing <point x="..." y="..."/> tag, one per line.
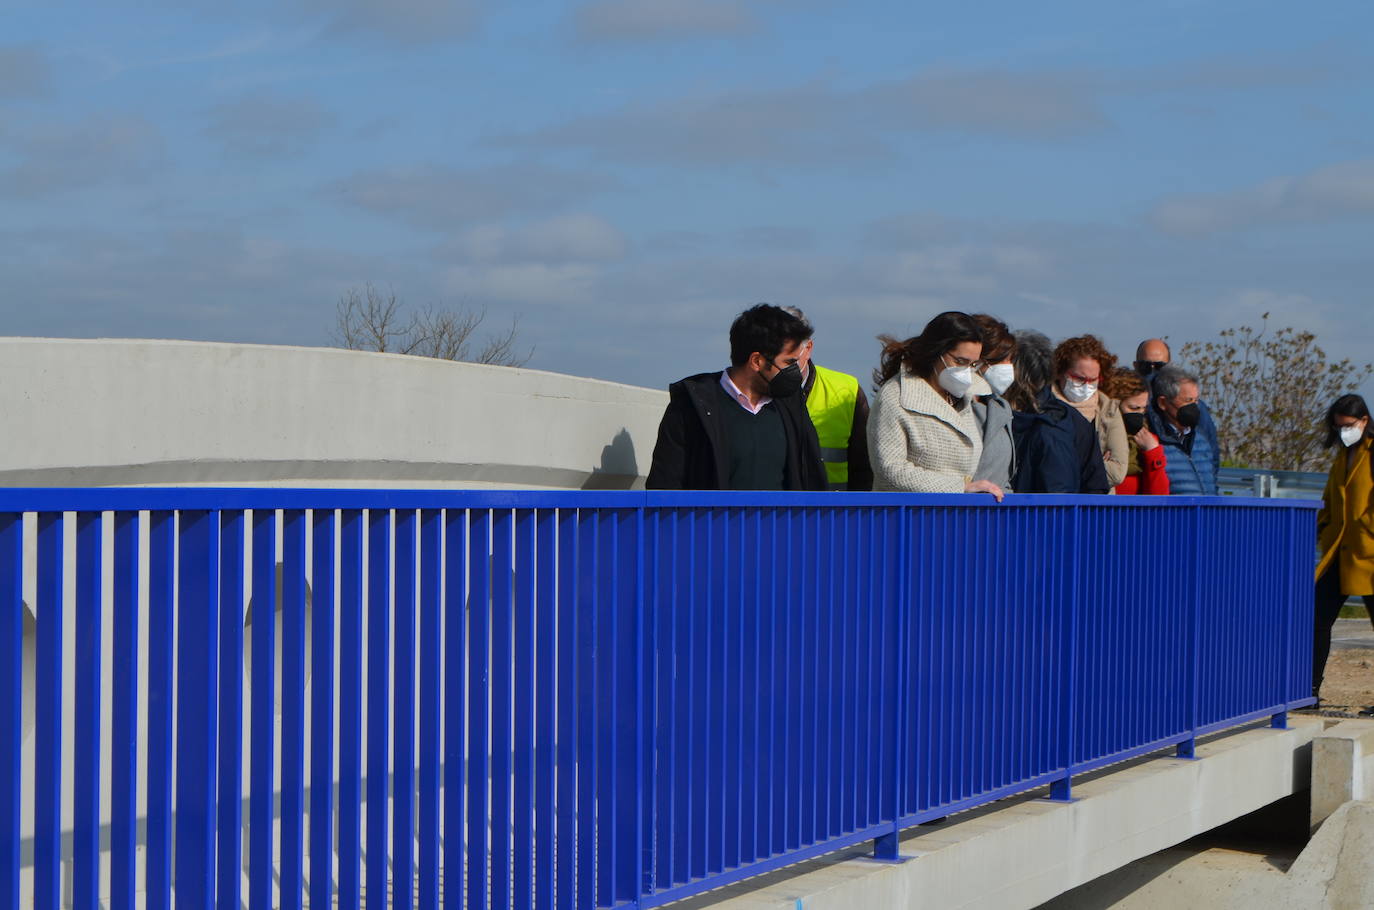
<point x="1346" y="406"/>
<point x="920" y="354"/>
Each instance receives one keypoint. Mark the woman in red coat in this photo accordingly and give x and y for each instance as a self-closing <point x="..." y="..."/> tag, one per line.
<point x="1145" y="471"/>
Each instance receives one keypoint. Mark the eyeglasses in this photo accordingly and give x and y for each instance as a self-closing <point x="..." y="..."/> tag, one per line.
<point x="1150" y="366"/>
<point x="962" y="362"/>
<point x="1079" y="377"/>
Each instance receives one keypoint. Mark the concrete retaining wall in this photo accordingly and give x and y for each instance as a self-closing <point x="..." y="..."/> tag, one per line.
<point x="115" y="411"/>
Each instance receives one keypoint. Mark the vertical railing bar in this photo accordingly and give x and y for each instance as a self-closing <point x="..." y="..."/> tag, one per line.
<point x="158" y="859"/>
<point x="566" y="796"/>
<point x="1062" y="789"/>
<point x="322" y="544"/>
<point x="47" y="818"/>
<point x="589" y="569"/>
<point x="86" y="730"/>
<point x="887" y="847"/>
<point x="263" y="604"/>
<point x="1279" y="721"/>
<point x="546" y="708"/>
<point x="525" y="672"/>
<point x="197" y="675"/>
<point x="479" y="691"/>
<point x="123" y="710"/>
<point x="499" y="677"/>
<point x="12" y="713"/>
<point x="431" y="738"/>
<point x="454" y="682"/>
<point x="351" y="581"/>
<point x="644" y="728"/>
<point x="378" y="708"/>
<point x="229" y="836"/>
<point x="1188" y="748"/>
<point x="290" y="869"/>
<point x="403" y="717"/>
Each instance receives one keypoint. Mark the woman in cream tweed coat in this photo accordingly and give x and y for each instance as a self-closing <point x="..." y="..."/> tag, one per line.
<point x="922" y="435"/>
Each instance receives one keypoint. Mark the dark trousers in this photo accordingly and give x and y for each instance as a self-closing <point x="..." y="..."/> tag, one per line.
<point x="1328" y="607"/>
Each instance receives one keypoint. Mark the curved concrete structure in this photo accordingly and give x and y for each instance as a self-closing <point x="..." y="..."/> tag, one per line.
<point x="117" y="411"/>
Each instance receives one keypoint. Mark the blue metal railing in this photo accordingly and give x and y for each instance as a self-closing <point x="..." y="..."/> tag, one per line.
<point x="584" y="699"/>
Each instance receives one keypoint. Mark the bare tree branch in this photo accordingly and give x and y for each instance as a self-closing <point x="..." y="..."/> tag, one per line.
<point x="1267" y="392"/>
<point x="369" y="320"/>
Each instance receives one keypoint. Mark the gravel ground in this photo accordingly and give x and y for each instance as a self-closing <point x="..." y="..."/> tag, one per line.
<point x="1349" y="682"/>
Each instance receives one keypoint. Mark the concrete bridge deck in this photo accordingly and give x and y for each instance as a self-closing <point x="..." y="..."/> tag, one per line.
<point x="1021" y="852"/>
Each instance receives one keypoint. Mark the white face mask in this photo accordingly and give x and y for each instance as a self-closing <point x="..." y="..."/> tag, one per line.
<point x="1078" y="392"/>
<point x="1351" y="435"/>
<point x="956" y="380"/>
<point x="1000" y="376"/>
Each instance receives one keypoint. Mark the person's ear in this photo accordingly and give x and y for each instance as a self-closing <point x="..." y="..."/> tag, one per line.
<point x="758" y="362"/>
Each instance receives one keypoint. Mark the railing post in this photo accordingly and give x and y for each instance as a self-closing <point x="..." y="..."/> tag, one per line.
<point x="11" y="699"/>
<point x="1188" y="748"/>
<point x="888" y="846"/>
<point x="643" y="725"/>
<point x="1279" y="721"/>
<point x="1061" y="790"/>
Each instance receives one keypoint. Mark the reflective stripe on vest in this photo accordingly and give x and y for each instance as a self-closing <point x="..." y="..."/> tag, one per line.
<point x="831" y="404"/>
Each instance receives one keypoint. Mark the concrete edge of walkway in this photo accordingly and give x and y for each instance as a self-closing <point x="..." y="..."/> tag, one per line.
<point x="1022" y="851"/>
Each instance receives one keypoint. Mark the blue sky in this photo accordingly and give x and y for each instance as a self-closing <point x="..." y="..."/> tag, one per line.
<point x="623" y="176"/>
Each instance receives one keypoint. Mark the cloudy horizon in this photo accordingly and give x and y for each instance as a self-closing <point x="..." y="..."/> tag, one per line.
<point x="623" y="176"/>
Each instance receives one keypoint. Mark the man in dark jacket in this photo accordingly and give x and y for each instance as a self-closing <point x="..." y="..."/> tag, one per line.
<point x="744" y="428"/>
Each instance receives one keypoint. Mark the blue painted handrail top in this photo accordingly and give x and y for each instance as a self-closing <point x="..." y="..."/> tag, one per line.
<point x="114" y="499"/>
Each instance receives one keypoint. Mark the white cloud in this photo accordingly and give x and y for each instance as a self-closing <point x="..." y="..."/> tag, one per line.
<point x="637" y="20"/>
<point x="562" y="238"/>
<point x="24" y="72"/>
<point x="1343" y="190"/>
<point x="432" y="196"/>
<point x="402" y="21"/>
<point x="523" y="283"/>
<point x="267" y="126"/>
<point x="819" y="124"/>
<point x="55" y="157"/>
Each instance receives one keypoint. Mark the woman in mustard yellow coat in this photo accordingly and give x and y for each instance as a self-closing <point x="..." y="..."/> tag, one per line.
<point x="1345" y="525"/>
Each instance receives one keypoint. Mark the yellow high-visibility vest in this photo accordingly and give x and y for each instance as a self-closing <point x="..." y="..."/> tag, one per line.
<point x="831" y="404"/>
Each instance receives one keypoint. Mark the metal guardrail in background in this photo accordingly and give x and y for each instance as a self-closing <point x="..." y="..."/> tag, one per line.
<point x="1271" y="484"/>
<point x="603" y="699"/>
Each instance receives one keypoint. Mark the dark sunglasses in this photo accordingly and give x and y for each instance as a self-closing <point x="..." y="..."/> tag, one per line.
<point x="1150" y="366"/>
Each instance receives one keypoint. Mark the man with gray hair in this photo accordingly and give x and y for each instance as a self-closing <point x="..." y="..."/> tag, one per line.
<point x="1185" y="429"/>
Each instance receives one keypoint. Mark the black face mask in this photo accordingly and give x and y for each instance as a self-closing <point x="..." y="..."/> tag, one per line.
<point x="785" y="382"/>
<point x="1189" y="415"/>
<point x="1134" y="423"/>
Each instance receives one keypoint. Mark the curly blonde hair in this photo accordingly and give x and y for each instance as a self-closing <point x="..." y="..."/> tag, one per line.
<point x="1072" y="350"/>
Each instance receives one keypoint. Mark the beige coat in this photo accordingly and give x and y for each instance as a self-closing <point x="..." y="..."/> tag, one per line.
<point x="1111" y="434"/>
<point x="1345" y="525"/>
<point x="920" y="443"/>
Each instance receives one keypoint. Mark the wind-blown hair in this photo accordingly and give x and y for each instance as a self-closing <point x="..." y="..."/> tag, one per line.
<point x="766" y="329"/>
<point x="1346" y="406"/>
<point x="920" y="354"/>
<point x="1034" y="363"/>
<point x="998" y="342"/>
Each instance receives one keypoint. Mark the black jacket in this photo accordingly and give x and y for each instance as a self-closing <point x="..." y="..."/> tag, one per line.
<point x="690" y="453"/>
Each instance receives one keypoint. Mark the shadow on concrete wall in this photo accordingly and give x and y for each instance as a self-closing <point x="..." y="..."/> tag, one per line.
<point x="618" y="469"/>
